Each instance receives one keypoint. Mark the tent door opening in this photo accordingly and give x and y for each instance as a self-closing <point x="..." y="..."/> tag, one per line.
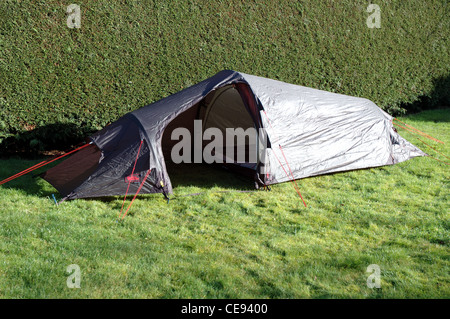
<point x="222" y="111"/>
<point x="226" y="113"/>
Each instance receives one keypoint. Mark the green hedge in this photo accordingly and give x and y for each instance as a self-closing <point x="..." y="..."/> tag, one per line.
<point x="130" y="53"/>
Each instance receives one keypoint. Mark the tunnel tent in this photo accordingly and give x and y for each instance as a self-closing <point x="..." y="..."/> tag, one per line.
<point x="309" y="132"/>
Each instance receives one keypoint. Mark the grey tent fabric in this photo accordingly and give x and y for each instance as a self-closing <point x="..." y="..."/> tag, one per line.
<point x="315" y="132"/>
<point x="322" y="132"/>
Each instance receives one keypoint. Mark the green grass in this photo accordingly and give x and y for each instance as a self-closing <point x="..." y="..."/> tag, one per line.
<point x="238" y="245"/>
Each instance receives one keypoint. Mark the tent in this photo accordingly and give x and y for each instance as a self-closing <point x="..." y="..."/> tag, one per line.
<point x="308" y="132"/>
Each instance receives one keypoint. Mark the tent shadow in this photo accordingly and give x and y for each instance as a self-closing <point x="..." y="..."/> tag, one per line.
<point x="200" y="177"/>
<point x="33" y="142"/>
<point x="207" y="176"/>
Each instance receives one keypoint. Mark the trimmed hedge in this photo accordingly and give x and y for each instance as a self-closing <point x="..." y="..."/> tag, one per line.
<point x="128" y="54"/>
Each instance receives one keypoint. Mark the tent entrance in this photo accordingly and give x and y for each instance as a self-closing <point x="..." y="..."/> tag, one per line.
<point x="220" y="111"/>
<point x="226" y="113"/>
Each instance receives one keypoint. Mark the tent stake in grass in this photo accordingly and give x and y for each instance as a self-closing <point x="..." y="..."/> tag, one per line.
<point x="54" y="198"/>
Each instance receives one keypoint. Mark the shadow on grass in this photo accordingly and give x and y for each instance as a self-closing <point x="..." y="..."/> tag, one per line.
<point x="34" y="142"/>
<point x="435" y="116"/>
<point x="27" y="182"/>
<point x="202" y="176"/>
<point x="207" y="176"/>
<point x="438" y="98"/>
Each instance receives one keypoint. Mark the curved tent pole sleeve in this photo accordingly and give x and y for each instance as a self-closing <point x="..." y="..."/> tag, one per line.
<point x="250" y="102"/>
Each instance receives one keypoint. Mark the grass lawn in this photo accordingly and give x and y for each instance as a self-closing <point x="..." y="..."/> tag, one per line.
<point x="238" y="245"/>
